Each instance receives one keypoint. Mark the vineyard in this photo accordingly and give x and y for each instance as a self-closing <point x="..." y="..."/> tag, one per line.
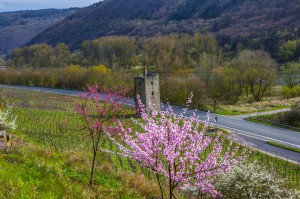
<point x="50" y="155"/>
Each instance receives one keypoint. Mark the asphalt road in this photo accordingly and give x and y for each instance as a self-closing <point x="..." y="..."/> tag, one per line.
<point x="243" y="131"/>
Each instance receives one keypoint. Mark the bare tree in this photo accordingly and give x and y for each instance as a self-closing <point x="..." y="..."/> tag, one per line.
<point x="258" y="71"/>
<point x="290" y="74"/>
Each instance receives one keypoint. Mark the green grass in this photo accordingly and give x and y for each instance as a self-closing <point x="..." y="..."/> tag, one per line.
<point x="283" y="146"/>
<point x="51" y="157"/>
<point x="33" y="171"/>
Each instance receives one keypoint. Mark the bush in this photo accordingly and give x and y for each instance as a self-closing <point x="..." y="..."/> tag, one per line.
<point x="291" y="117"/>
<point x="290" y="92"/>
<point x="176" y="89"/>
<point x="99" y="74"/>
<point x="72" y="77"/>
<point x="251" y="180"/>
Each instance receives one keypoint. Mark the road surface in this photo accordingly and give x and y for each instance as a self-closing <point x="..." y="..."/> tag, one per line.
<point x="253" y="133"/>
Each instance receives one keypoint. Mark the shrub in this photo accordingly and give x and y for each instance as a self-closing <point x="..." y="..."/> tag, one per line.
<point x="178" y="88"/>
<point x="7" y="119"/>
<point x="99" y="74"/>
<point x="252" y="180"/>
<point x="73" y="77"/>
<point x="291" y="117"/>
<point x="290" y="92"/>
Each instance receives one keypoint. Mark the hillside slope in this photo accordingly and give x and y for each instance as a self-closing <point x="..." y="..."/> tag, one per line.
<point x="17" y="28"/>
<point x="229" y="19"/>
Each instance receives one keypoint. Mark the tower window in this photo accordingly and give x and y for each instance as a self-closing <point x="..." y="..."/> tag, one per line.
<point x="152" y="93"/>
<point x="151" y="82"/>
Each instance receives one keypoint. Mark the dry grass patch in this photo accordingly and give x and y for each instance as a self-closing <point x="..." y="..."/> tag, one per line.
<point x="268" y="104"/>
<point x="147" y="188"/>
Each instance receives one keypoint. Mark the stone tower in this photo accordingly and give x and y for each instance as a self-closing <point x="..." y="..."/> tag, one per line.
<point x="148" y="85"/>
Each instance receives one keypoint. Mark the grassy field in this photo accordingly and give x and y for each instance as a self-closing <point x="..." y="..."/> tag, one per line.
<point x="245" y="107"/>
<point x="50" y="156"/>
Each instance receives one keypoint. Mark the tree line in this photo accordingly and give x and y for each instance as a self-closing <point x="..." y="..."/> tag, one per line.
<point x="188" y="63"/>
<point x="122" y="52"/>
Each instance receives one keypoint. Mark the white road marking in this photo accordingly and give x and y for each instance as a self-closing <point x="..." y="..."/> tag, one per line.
<point x="255" y="136"/>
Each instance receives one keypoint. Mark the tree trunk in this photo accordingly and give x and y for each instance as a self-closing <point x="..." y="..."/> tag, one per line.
<point x="93" y="169"/>
<point x="160" y="188"/>
<point x="170" y="183"/>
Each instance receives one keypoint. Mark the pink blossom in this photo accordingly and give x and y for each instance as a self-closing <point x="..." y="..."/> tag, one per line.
<point x="98" y="113"/>
<point x="171" y="146"/>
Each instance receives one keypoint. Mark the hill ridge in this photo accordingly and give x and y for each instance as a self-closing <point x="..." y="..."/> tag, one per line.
<point x="228" y="19"/>
<point x="18" y="27"/>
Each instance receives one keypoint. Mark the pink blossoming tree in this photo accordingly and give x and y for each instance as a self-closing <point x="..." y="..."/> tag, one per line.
<point x="98" y="112"/>
<point x="178" y="151"/>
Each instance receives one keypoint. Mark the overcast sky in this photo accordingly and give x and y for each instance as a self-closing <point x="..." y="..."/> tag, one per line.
<point x="13" y="5"/>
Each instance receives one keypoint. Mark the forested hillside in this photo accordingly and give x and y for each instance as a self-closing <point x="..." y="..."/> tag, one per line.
<point x="260" y="24"/>
<point x="17" y="28"/>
